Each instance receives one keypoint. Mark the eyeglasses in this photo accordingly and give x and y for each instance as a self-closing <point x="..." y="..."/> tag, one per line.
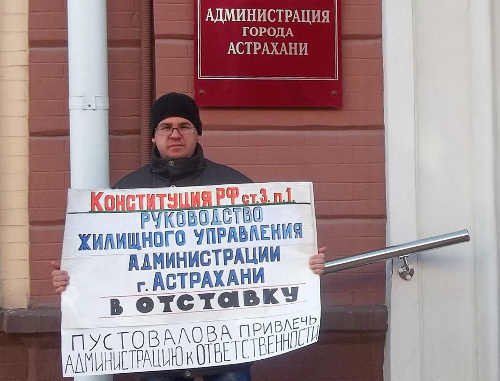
<point x="169" y="130"/>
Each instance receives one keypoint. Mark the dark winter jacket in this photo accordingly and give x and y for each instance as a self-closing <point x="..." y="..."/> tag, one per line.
<point x="189" y="171"/>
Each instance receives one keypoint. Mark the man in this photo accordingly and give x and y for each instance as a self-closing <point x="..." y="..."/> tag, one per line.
<point x="177" y="159"/>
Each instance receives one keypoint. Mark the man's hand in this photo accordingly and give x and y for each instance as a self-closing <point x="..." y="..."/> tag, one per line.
<point x="60" y="278"/>
<point x="317" y="261"/>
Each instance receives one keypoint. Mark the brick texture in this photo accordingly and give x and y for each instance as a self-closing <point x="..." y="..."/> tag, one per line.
<point x="30" y="357"/>
<point x="49" y="124"/>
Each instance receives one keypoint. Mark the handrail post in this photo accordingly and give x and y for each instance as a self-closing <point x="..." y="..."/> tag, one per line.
<point x="401" y="251"/>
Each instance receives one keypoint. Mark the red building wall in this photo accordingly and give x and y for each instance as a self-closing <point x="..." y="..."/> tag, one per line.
<point x="340" y="150"/>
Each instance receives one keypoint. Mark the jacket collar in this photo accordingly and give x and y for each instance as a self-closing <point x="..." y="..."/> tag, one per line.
<point x="178" y="171"/>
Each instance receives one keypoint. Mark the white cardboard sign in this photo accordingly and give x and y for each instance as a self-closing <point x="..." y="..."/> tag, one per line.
<point x="174" y="278"/>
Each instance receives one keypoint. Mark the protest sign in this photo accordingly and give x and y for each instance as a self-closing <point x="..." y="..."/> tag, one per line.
<point x="176" y="278"/>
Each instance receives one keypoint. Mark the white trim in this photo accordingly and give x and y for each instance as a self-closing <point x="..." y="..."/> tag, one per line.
<point x="485" y="180"/>
<point x="402" y="354"/>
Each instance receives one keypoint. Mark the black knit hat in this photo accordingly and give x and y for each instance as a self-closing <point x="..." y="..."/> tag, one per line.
<point x="175" y="104"/>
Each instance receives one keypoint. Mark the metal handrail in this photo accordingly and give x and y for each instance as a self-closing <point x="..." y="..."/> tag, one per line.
<point x="402" y="251"/>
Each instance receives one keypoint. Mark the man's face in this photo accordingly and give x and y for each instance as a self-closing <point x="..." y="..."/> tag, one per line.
<point x="176" y="145"/>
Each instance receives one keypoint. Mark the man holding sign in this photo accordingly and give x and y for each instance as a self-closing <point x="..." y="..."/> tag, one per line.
<point x="177" y="160"/>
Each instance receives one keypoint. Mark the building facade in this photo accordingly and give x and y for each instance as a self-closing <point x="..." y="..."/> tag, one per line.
<point x="410" y="154"/>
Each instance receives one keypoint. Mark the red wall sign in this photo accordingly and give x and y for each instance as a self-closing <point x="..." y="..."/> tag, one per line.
<point x="268" y="53"/>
